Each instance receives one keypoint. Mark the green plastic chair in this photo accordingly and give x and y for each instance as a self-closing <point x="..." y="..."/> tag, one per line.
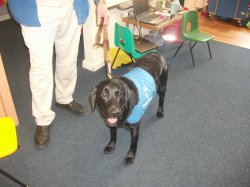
<point x="190" y="32"/>
<point x="124" y="40"/>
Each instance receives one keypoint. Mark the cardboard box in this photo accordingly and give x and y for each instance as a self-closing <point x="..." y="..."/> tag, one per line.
<point x="7" y="107"/>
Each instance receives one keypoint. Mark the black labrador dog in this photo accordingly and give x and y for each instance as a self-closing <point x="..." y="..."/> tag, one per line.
<point x="123" y="100"/>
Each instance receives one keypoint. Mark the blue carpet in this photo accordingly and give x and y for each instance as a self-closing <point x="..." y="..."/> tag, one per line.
<point x="203" y="140"/>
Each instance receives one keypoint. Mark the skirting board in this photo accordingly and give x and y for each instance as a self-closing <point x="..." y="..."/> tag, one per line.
<point x="4" y="17"/>
<point x="92" y="67"/>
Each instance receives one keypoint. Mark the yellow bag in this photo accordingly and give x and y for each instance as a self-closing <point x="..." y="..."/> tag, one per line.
<point x="121" y="59"/>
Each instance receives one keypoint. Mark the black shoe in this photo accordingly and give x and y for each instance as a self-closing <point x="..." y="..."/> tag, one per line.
<point x="73" y="107"/>
<point x="42" y="136"/>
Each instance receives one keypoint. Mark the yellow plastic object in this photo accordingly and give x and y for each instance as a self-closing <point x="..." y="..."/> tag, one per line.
<point x="8" y="137"/>
<point x="121" y="59"/>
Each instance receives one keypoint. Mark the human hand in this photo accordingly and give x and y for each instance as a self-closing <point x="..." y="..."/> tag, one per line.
<point x="102" y="13"/>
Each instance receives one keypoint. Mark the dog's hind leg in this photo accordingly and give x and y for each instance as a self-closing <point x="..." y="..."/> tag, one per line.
<point x="161" y="90"/>
<point x="134" y="132"/>
<point x="111" y="145"/>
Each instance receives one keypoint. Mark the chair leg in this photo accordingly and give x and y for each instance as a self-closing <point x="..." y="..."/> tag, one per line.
<point x="178" y="49"/>
<point x="194" y="44"/>
<point x="115" y="57"/>
<point x="190" y="47"/>
<point x="12" y="178"/>
<point x="209" y="50"/>
<point x="132" y="61"/>
<point x="131" y="58"/>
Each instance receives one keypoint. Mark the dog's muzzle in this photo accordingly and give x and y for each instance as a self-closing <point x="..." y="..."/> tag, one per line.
<point x="112" y="121"/>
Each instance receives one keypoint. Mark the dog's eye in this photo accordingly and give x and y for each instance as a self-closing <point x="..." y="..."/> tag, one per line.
<point x="118" y="94"/>
<point x="103" y="94"/>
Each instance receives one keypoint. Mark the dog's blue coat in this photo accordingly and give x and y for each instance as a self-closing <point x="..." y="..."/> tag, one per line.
<point x="146" y="88"/>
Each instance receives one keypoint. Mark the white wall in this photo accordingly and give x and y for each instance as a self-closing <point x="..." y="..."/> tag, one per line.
<point x="94" y="57"/>
<point x="192" y="4"/>
<point x="114" y="2"/>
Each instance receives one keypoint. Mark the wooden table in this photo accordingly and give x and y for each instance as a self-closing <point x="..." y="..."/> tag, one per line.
<point x="131" y="20"/>
<point x="7" y="107"/>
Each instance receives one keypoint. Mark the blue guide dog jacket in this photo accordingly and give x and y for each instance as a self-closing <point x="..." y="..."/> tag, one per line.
<point x="146" y="88"/>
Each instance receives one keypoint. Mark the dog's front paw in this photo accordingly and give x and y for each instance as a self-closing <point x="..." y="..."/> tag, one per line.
<point x="109" y="148"/>
<point x="129" y="159"/>
<point x="159" y="114"/>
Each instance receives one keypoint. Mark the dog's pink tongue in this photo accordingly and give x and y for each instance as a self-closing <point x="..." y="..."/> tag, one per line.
<point x="112" y="120"/>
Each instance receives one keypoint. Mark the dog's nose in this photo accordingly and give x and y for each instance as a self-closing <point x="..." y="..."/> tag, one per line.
<point x="115" y="112"/>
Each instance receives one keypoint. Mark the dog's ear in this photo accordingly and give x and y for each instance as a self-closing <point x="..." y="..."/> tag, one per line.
<point x="92" y="99"/>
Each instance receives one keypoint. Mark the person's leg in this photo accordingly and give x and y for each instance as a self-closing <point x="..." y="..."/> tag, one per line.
<point x="67" y="45"/>
<point x="40" y="41"/>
